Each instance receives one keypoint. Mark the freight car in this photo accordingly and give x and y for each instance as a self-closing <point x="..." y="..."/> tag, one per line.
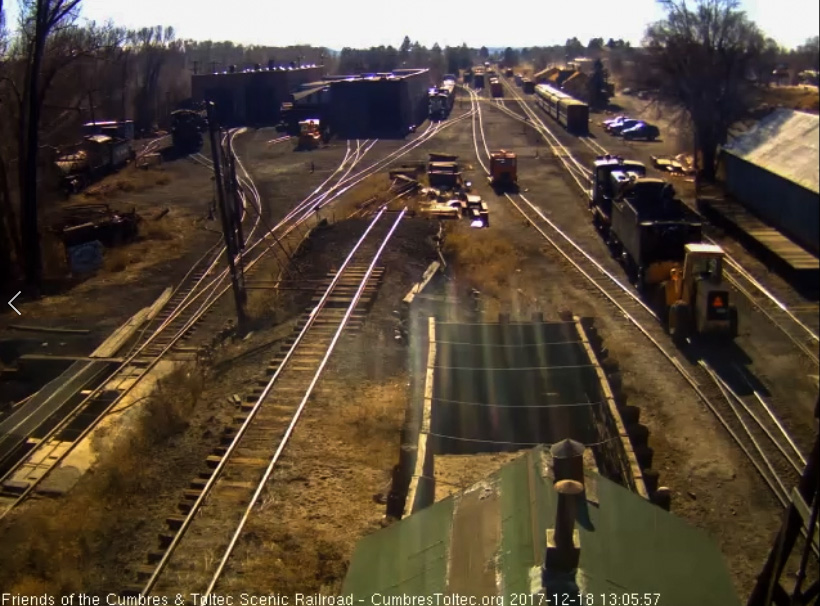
<point x="650" y="228"/>
<point x="567" y="111"/>
<point x="95" y="157"/>
<point x="528" y="86"/>
<point x="518" y="80"/>
<point x="478" y="78"/>
<point x="495" y="88"/>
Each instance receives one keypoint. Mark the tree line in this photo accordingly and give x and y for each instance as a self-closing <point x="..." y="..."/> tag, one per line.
<point x="57" y="72"/>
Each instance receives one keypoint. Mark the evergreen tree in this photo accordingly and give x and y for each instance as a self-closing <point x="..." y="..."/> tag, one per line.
<point x="599" y="90"/>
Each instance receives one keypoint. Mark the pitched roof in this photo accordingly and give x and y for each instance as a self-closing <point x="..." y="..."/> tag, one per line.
<point x="490" y="539"/>
<point x="576" y="77"/>
<point x="547" y="72"/>
<point x="785" y="143"/>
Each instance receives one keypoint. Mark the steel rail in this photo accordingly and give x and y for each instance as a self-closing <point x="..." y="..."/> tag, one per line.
<point x="773" y="482"/>
<point x="731" y="261"/>
<point x="149" y="585"/>
<point x="297" y="415"/>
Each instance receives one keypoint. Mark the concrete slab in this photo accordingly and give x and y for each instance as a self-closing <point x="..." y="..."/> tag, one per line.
<point x="105" y="435"/>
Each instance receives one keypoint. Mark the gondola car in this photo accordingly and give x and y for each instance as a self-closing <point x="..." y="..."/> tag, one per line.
<point x="564" y="109"/>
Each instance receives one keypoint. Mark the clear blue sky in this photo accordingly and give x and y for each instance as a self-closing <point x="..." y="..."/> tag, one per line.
<point x="362" y="23"/>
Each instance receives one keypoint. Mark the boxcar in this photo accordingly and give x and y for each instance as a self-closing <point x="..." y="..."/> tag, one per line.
<point x="567" y="111"/>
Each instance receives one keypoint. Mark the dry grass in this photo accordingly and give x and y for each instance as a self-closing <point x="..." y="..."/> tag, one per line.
<point x="48" y="547"/>
<point x="318" y="505"/>
<point x="282" y="556"/>
<point x="55" y="261"/>
<point x="156" y="230"/>
<point x="803" y="98"/>
<point x="117" y="260"/>
<point x="270" y="306"/>
<point x="121" y="258"/>
<point x="375" y="412"/>
<point x="375" y="186"/>
<point x="128" y="180"/>
<point x="482" y="257"/>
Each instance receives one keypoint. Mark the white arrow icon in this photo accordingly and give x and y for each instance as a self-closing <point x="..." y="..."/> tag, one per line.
<point x="12" y="306"/>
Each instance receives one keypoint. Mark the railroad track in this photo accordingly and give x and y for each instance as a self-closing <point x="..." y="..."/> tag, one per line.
<point x="802" y="334"/>
<point x="154" y="145"/>
<point x="174" y="322"/>
<point x="220" y="501"/>
<point x="748" y="419"/>
<point x="201" y="289"/>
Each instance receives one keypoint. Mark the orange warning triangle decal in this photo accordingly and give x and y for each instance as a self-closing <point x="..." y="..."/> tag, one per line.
<point x="717" y="302"/>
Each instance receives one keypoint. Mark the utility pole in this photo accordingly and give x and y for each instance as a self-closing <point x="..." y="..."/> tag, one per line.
<point x="237" y="201"/>
<point x="237" y="283"/>
<point x="768" y="589"/>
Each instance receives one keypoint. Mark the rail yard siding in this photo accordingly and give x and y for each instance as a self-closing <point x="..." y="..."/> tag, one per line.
<point x="789" y="207"/>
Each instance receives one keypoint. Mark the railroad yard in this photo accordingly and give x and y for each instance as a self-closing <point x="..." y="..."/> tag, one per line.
<point x="221" y="461"/>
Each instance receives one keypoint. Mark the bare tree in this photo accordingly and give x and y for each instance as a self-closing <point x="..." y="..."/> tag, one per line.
<point x="41" y="19"/>
<point x="9" y="238"/>
<point x="153" y="46"/>
<point x="702" y="59"/>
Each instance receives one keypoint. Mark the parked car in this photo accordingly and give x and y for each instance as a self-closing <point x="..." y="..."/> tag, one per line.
<point x="609" y="121"/>
<point x="617" y="128"/>
<point x="642" y="130"/>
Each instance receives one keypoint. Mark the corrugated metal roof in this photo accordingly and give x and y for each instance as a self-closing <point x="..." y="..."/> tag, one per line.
<point x="786" y="143"/>
<point x="491" y="538"/>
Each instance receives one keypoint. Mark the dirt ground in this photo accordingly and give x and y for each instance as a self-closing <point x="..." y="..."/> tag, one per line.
<point x="803" y="98"/>
<point x="713" y="486"/>
<point x="456" y="473"/>
<point x="330" y="487"/>
<point x="318" y="505"/>
<point x="132" y="276"/>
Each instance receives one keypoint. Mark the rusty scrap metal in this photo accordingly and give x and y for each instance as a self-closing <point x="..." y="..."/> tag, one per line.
<point x="89" y="222"/>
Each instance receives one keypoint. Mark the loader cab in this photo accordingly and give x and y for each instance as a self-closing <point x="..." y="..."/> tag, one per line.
<point x="704" y="298"/>
<point x="704" y="263"/>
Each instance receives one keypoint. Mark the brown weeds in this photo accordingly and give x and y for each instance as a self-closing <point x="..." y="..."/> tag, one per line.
<point x="51" y="545"/>
<point x="129" y="180"/>
<point x="482" y="257"/>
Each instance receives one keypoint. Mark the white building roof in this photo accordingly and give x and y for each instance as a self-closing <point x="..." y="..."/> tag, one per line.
<point x="786" y="143"/>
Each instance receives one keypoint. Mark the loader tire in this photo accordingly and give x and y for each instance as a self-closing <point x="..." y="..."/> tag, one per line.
<point x="680" y="319"/>
<point x="660" y="305"/>
<point x="734" y="328"/>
